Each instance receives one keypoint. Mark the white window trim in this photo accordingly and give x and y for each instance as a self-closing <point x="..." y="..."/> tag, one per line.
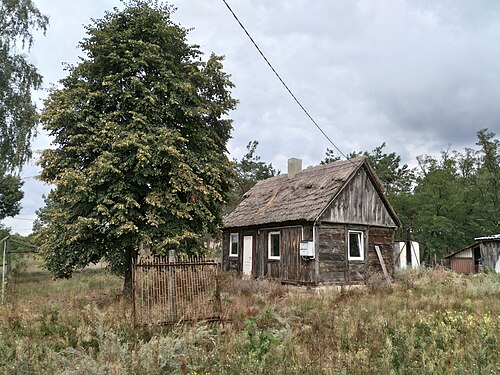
<point x="269" y="245"/>
<point x="231" y="245"/>
<point x="362" y="245"/>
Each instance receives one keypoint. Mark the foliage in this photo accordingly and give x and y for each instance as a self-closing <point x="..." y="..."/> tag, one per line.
<point x="396" y="178"/>
<point x="10" y="195"/>
<point x="330" y="157"/>
<point x="456" y="197"/>
<point x="140" y="133"/>
<point x="248" y="171"/>
<point x="18" y="115"/>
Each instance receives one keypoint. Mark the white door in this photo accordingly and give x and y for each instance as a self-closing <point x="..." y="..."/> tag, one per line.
<point x="247" y="255"/>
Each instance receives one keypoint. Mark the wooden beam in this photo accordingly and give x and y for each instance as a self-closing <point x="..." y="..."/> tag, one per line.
<point x="381" y="260"/>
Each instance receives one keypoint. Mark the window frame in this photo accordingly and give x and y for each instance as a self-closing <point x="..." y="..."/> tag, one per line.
<point x="269" y="242"/>
<point x="231" y="236"/>
<point x="361" y="245"/>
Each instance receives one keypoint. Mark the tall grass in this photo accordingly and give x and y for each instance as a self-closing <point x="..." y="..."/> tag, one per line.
<point x="432" y="321"/>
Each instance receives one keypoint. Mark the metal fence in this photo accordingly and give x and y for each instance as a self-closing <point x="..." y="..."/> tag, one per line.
<point x="168" y="291"/>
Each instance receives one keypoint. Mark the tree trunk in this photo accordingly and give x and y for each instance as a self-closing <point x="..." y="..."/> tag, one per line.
<point x="130" y="254"/>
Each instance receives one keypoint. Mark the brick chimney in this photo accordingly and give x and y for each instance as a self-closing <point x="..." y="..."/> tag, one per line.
<point x="294" y="167"/>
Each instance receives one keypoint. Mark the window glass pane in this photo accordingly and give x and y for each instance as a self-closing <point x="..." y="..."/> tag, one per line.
<point x="275" y="245"/>
<point x="234" y="244"/>
<point x="354" y="245"/>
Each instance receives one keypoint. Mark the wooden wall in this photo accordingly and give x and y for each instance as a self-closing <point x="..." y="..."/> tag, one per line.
<point x="331" y="264"/>
<point x="384" y="238"/>
<point x="359" y="203"/>
<point x="231" y="263"/>
<point x="334" y="265"/>
<point x="331" y="253"/>
<point x="289" y="268"/>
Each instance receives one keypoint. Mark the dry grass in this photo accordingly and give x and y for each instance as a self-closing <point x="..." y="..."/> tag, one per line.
<point x="432" y="321"/>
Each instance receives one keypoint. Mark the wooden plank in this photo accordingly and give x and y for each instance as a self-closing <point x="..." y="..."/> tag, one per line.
<point x="382" y="263"/>
<point x="359" y="202"/>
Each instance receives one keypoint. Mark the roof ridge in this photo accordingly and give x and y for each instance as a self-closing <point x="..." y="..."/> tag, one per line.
<point x="338" y="164"/>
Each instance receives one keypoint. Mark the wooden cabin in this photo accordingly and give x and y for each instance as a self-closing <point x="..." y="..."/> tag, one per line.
<point x="314" y="226"/>
<point x="481" y="255"/>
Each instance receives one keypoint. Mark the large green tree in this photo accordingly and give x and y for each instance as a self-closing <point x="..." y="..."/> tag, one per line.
<point x="18" y="114"/>
<point x="140" y="131"/>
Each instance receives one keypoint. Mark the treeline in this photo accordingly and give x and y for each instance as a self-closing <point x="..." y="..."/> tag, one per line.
<point x="453" y="198"/>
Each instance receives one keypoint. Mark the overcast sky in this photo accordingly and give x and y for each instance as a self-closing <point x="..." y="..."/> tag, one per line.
<point x="418" y="75"/>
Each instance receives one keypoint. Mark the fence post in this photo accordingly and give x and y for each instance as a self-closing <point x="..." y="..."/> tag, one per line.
<point x="171" y="302"/>
<point x="134" y="270"/>
<point x="3" y="268"/>
<point x="9" y="257"/>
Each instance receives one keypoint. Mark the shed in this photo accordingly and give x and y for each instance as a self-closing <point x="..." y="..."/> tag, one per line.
<point x="314" y="226"/>
<point x="407" y="254"/>
<point x="482" y="254"/>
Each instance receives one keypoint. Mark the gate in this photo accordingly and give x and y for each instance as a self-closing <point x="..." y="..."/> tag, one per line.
<point x="168" y="291"/>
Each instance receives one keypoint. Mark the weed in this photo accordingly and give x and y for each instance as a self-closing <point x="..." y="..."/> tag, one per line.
<point x="432" y="321"/>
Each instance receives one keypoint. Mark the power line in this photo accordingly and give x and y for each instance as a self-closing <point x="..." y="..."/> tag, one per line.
<point x="283" y="82"/>
<point x="20" y="218"/>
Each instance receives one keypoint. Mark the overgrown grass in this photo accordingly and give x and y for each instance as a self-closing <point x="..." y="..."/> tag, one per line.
<point x="432" y="321"/>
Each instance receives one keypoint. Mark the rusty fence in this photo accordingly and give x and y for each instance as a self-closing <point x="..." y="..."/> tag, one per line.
<point x="168" y="292"/>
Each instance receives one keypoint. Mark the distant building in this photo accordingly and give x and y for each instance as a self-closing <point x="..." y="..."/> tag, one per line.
<point x="314" y="226"/>
<point x="482" y="254"/>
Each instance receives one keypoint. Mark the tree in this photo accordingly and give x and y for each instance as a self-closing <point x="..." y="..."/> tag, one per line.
<point x="486" y="185"/>
<point x="141" y="130"/>
<point x="396" y="178"/>
<point x="10" y="196"/>
<point x="18" y="114"/>
<point x="330" y="157"/>
<point x="248" y="171"/>
<point x="456" y="197"/>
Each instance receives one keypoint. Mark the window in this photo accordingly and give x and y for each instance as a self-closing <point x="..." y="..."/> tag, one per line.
<point x="356" y="247"/>
<point x="233" y="245"/>
<point x="274" y="245"/>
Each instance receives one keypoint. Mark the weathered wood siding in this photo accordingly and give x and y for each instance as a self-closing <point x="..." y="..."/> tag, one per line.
<point x="231" y="263"/>
<point x="490" y="252"/>
<point x="289" y="268"/>
<point x="331" y="253"/>
<point x="334" y="264"/>
<point x="359" y="203"/>
<point x="293" y="268"/>
<point x="384" y="239"/>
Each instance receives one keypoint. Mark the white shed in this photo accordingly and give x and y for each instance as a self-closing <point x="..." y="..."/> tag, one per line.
<point x="407" y="254"/>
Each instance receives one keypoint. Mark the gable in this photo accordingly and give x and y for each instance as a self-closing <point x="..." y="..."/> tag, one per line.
<point x="359" y="202"/>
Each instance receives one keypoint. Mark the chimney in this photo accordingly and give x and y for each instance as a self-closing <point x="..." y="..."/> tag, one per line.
<point x="294" y="167"/>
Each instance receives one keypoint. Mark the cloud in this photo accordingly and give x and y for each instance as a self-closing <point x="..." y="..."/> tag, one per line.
<point x="416" y="75"/>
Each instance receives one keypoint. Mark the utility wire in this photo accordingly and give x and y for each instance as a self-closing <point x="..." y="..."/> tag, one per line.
<point x="281" y="80"/>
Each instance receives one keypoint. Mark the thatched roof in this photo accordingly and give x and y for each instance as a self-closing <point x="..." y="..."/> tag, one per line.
<point x="281" y="199"/>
